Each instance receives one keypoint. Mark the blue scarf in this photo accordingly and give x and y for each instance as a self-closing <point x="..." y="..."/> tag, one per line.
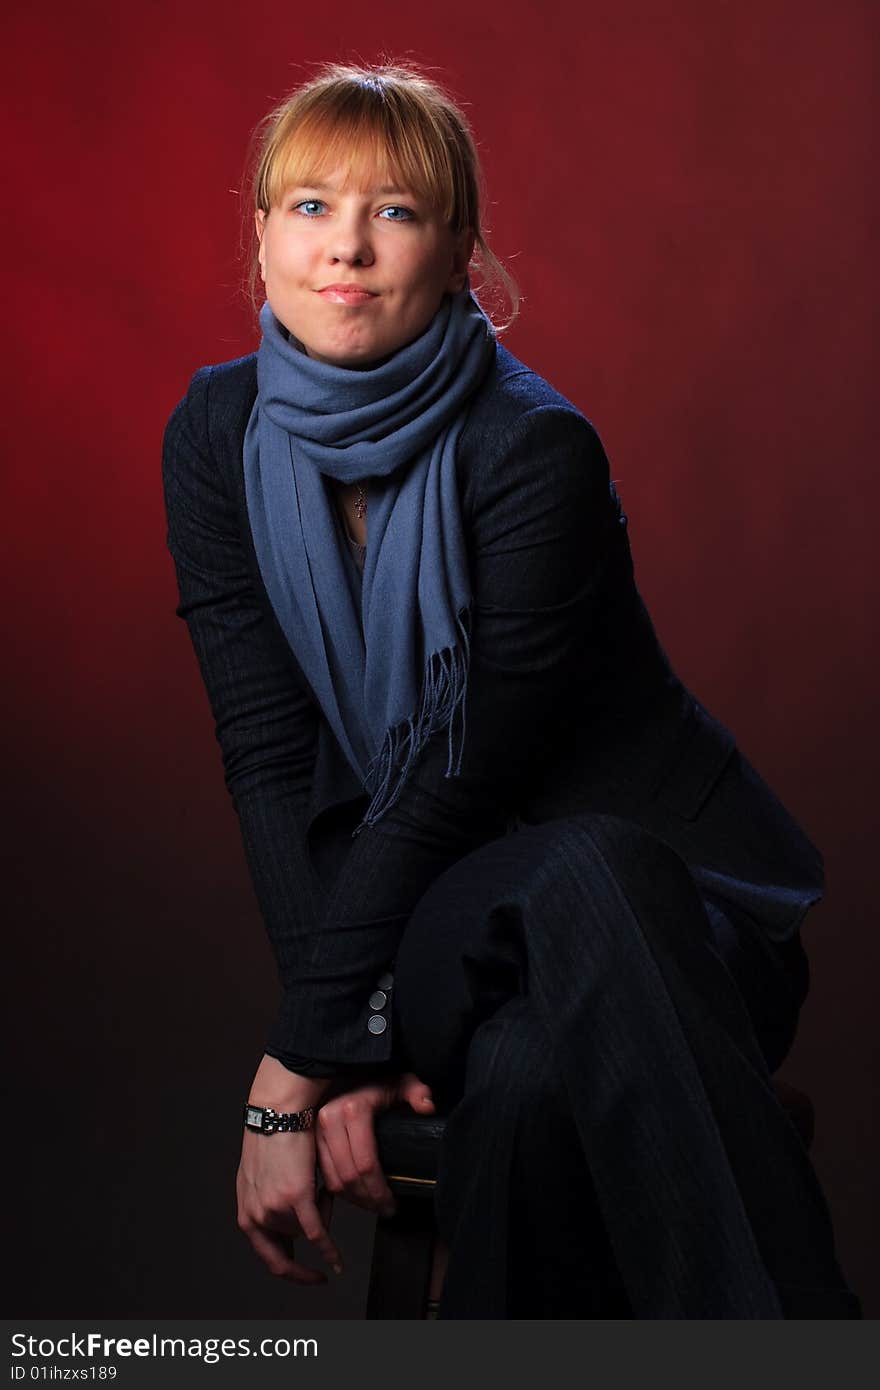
<point x="391" y="676"/>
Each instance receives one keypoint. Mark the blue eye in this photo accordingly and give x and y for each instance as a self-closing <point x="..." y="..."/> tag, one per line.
<point x="308" y="207"/>
<point x="405" y="214"/>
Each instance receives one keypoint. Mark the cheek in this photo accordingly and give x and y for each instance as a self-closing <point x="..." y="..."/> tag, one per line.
<point x="426" y="281"/>
<point x="284" y="259"/>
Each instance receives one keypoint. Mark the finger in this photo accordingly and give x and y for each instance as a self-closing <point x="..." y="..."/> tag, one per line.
<point x="271" y="1250"/>
<point x="359" y="1159"/>
<point x="329" y="1171"/>
<point x="416" y="1093"/>
<point x="410" y="1086"/>
<point x="316" y="1232"/>
<point x="291" y="1221"/>
<point x="334" y="1127"/>
<point x="325" y="1207"/>
<point x="362" y="1138"/>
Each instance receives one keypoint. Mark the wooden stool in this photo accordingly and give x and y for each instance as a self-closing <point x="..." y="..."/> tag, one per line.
<point x="409" y="1259"/>
<point x="408" y="1256"/>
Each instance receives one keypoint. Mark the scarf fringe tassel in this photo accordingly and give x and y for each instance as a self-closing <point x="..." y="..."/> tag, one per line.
<point x="442" y="700"/>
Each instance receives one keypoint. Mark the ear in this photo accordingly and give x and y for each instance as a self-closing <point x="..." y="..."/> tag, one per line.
<point x="463" y="249"/>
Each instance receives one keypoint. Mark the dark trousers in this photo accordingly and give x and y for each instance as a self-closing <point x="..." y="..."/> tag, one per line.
<point x="604" y="1038"/>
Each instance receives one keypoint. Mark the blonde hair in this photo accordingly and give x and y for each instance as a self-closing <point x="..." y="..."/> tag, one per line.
<point x="390" y="118"/>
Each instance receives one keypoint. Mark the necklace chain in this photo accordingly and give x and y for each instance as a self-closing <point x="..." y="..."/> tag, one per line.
<point x="361" y="502"/>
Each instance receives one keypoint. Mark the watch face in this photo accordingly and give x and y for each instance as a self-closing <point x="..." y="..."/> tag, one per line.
<point x="254" y="1116"/>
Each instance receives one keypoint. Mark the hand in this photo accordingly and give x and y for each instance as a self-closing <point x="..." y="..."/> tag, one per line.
<point x="346" y="1140"/>
<point x="275" y="1185"/>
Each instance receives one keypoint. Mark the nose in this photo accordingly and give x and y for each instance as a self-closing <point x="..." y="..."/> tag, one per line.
<point x="350" y="242"/>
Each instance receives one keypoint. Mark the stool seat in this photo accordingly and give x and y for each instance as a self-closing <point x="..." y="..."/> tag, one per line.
<point x="405" y="1244"/>
<point x="409" y="1149"/>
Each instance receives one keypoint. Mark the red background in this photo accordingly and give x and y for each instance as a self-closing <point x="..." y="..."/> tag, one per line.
<point x="682" y="191"/>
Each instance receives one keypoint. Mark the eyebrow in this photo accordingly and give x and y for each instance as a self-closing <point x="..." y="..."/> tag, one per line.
<point x="384" y="189"/>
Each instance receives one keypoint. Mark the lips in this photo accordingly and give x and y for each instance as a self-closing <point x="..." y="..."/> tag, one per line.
<point x="346" y="294"/>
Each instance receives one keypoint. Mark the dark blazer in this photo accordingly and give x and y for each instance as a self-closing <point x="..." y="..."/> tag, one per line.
<point x="571" y="707"/>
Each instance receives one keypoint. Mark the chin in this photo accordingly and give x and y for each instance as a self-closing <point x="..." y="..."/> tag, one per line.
<point x="350" y="355"/>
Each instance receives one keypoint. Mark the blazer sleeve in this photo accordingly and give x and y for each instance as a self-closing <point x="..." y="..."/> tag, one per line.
<point x="265" y="720"/>
<point x="542" y="521"/>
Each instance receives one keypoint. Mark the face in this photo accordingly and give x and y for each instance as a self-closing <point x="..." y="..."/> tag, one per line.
<point x="356" y="273"/>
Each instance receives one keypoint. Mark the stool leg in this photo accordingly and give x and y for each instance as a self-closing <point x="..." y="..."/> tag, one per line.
<point x="402" y="1260"/>
<point x="438" y="1274"/>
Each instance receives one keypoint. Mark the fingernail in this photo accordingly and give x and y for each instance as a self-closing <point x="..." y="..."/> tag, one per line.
<point x="337" y="1269"/>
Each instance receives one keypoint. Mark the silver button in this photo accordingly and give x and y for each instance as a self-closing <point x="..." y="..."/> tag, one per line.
<point x="377" y="1024"/>
<point x="385" y="981"/>
<point x="378" y="999"/>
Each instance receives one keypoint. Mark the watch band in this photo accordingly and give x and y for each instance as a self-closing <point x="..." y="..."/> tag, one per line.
<point x="262" y="1119"/>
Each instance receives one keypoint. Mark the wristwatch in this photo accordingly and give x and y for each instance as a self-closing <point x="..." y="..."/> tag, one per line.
<point x="262" y="1119"/>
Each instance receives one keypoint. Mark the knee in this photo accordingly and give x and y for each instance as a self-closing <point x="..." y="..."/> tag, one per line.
<point x="614" y="862"/>
<point x="626" y="846"/>
<point x="511" y="1067"/>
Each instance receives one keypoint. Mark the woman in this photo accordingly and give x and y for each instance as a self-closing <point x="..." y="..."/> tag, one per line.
<point x="506" y="861"/>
